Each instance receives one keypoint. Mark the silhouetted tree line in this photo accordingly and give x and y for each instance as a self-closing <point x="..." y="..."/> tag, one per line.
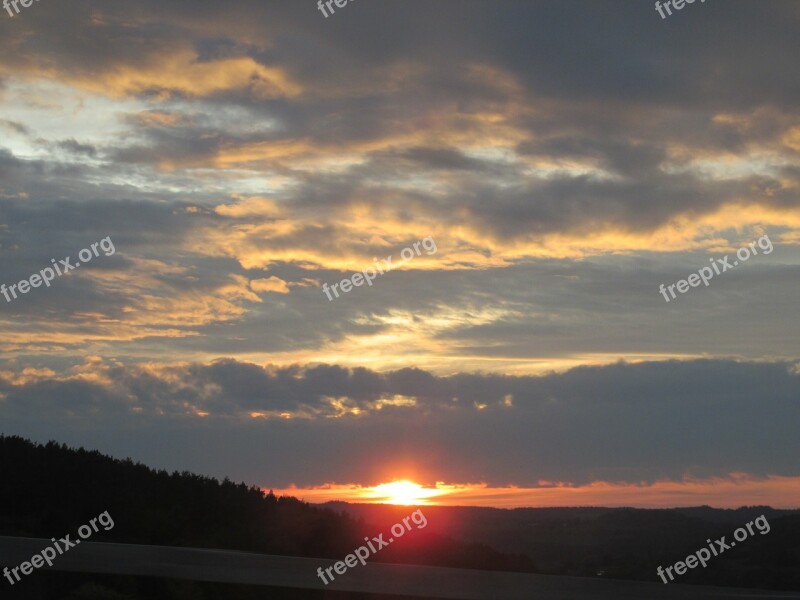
<point x="50" y="490"/>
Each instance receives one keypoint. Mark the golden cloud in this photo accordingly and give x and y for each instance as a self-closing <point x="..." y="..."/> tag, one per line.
<point x="272" y="284"/>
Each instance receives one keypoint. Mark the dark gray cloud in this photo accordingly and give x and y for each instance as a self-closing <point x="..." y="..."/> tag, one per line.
<point x="75" y="147"/>
<point x="14" y="126"/>
<point x="622" y="422"/>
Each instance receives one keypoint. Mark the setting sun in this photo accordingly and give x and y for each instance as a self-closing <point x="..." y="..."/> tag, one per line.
<point x="402" y="492"/>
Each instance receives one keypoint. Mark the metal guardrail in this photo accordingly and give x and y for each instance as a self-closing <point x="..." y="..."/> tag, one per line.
<point x="226" y="566"/>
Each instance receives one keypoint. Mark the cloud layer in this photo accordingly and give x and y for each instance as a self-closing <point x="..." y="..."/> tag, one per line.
<point x="567" y="159"/>
<point x="621" y="423"/>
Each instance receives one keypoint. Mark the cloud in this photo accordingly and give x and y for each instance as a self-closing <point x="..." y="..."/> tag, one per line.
<point x="14" y="126"/>
<point x="620" y="423"/>
<point x="509" y="156"/>
<point x="76" y="147"/>
<point x="271" y="284"/>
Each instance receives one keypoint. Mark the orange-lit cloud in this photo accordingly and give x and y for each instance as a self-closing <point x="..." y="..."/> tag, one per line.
<point x="175" y="70"/>
<point x="271" y="284"/>
<point x="723" y="492"/>
<point x="148" y="308"/>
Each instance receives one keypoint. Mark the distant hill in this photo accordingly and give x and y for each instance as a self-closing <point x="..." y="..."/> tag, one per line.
<point x="622" y="543"/>
<point x="51" y="490"/>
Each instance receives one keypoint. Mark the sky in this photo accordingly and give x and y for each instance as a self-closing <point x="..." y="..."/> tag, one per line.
<point x="556" y="164"/>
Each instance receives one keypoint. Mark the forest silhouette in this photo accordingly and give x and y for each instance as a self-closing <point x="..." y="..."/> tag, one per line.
<point x="50" y="490"/>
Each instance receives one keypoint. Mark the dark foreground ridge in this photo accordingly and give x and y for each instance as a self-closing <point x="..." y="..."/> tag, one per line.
<point x="405" y="580"/>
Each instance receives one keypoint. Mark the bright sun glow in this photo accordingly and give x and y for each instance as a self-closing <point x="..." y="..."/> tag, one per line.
<point x="401" y="492"/>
